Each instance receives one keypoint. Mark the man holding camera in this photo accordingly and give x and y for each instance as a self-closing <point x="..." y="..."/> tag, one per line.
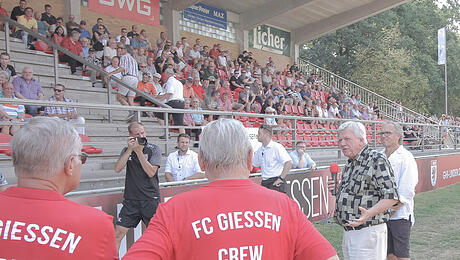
<point x="142" y="192"/>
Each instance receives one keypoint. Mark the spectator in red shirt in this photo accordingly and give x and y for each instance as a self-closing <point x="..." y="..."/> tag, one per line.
<point x="72" y="44"/>
<point x="214" y="52"/>
<point x="5" y="13"/>
<point x="226" y="89"/>
<point x="188" y="90"/>
<point x="199" y="91"/>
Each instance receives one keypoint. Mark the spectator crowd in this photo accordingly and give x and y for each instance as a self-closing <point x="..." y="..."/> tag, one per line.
<point x="212" y="77"/>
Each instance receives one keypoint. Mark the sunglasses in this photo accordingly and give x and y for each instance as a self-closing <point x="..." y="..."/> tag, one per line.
<point x="58" y="90"/>
<point x="83" y="157"/>
<point x="385" y="133"/>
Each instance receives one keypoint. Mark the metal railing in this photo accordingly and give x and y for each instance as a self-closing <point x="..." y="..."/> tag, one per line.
<point x="428" y="136"/>
<point x="389" y="108"/>
<point x="57" y="48"/>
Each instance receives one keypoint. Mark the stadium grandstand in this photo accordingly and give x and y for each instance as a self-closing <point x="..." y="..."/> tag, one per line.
<point x="242" y="63"/>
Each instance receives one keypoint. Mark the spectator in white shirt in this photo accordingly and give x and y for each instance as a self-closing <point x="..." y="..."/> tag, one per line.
<point x="406" y="178"/>
<point x="273" y="159"/>
<point x="194" y="54"/>
<point x="300" y="158"/>
<point x="183" y="164"/>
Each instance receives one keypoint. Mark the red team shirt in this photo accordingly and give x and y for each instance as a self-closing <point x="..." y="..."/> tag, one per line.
<point x="230" y="219"/>
<point x="43" y="224"/>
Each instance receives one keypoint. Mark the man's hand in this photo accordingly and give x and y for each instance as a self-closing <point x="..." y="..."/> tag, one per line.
<point x="73" y="115"/>
<point x="132" y="142"/>
<point x="331" y="183"/>
<point x="107" y="77"/>
<point x="278" y="182"/>
<point x="361" y="220"/>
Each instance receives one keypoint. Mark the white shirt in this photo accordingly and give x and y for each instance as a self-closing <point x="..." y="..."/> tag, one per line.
<point x="222" y="61"/>
<point x="194" y="54"/>
<point x="271" y="159"/>
<point x="406" y="178"/>
<point x="110" y="69"/>
<point x="182" y="166"/>
<point x="176" y="88"/>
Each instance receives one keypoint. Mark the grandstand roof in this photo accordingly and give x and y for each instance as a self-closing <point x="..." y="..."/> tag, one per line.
<point x="306" y="19"/>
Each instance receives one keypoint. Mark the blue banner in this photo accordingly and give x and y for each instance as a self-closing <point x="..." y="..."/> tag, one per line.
<point x="207" y="14"/>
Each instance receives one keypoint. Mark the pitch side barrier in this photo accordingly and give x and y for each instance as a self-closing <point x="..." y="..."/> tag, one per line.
<point x="319" y="136"/>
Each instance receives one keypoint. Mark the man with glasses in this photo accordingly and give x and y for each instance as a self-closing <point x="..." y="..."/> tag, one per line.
<point x="142" y="190"/>
<point x="130" y="71"/>
<point x="66" y="113"/>
<point x="39" y="221"/>
<point x="273" y="159"/>
<point x="124" y="32"/>
<point x="406" y="177"/>
<point x="98" y="25"/>
<point x="365" y="193"/>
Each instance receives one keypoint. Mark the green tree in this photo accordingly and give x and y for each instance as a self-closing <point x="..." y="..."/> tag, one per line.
<point x="407" y="64"/>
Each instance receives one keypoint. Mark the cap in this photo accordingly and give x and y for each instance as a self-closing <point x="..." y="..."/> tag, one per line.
<point x="211" y="78"/>
<point x="190" y="79"/>
<point x="157" y="75"/>
<point x="83" y="22"/>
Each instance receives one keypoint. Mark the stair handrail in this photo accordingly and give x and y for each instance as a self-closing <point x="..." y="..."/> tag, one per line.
<point x="405" y="111"/>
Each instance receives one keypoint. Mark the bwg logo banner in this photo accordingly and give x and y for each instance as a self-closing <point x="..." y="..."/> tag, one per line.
<point x="271" y="39"/>
<point x="142" y="11"/>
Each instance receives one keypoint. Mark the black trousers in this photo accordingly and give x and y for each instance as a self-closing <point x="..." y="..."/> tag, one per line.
<point x="268" y="183"/>
<point x="72" y="63"/>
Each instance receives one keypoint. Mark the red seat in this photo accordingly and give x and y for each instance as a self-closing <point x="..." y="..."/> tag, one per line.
<point x="247" y="124"/>
<point x="87" y="148"/>
<point x="288" y="109"/>
<point x="295" y="111"/>
<point x="307" y="140"/>
<point x="4" y="146"/>
<point x="314" y="141"/>
<point x="301" y="110"/>
<point x="322" y="141"/>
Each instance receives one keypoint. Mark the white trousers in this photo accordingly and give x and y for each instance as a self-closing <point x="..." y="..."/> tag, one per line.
<point x="369" y="243"/>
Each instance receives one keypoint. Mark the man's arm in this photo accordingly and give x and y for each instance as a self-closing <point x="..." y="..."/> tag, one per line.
<point x="198" y="175"/>
<point x="169" y="177"/>
<point x="287" y="167"/>
<point x="378" y="208"/>
<point x="121" y="163"/>
<point x="149" y="169"/>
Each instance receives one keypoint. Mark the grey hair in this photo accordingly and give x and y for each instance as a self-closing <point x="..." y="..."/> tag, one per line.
<point x="42" y="146"/>
<point x="398" y="129"/>
<point x="4" y="74"/>
<point x="356" y="127"/>
<point x="224" y="144"/>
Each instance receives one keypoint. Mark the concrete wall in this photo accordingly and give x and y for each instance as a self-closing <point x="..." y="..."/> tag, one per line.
<point x="58" y="6"/>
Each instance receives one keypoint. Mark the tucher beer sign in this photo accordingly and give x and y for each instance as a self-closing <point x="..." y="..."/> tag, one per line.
<point x="271" y="39"/>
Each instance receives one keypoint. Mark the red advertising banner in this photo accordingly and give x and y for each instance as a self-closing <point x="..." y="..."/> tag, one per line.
<point x="141" y="11"/>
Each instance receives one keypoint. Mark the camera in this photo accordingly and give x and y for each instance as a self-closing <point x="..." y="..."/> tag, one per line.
<point x="141" y="141"/>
